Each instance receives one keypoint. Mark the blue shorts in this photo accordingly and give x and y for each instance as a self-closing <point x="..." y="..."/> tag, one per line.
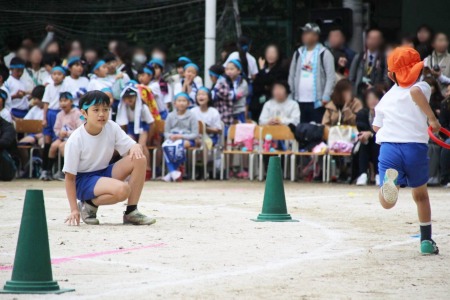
<point x="85" y="182"/>
<point x="409" y="159"/>
<point x="51" y="119"/>
<point x="164" y="114"/>
<point x="19" y="113"/>
<point x="130" y="129"/>
<point x="240" y="117"/>
<point x="192" y="142"/>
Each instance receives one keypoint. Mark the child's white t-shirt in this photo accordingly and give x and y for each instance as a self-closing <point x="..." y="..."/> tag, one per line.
<point x="159" y="98"/>
<point x="399" y="118"/>
<point x="89" y="153"/>
<point x="51" y="94"/>
<point x="211" y="117"/>
<point x="35" y="113"/>
<point x="146" y="116"/>
<point x="7" y="104"/>
<point x="74" y="85"/>
<point x="97" y="84"/>
<point x="14" y="86"/>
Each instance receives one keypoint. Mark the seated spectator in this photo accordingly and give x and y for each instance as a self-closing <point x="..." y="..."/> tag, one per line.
<point x="423" y="39"/>
<point x="8" y="151"/>
<point x="207" y="114"/>
<point x="342" y="108"/>
<point x="4" y="112"/>
<point x="280" y="109"/>
<point x="369" y="149"/>
<point x="444" y="119"/>
<point x="439" y="61"/>
<point x="436" y="95"/>
<point x="340" y="63"/>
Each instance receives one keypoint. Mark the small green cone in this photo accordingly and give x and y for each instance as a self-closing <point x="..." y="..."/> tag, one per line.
<point x="274" y="205"/>
<point x="32" y="271"/>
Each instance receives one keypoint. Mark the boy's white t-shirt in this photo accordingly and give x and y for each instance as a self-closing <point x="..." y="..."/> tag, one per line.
<point x="35" y="113"/>
<point x="51" y="94"/>
<point x="399" y="118"/>
<point x="156" y="91"/>
<point x="89" y="153"/>
<point x="97" y="84"/>
<point x="74" y="85"/>
<point x="146" y="116"/>
<point x="7" y="104"/>
<point x="252" y="66"/>
<point x="14" y="85"/>
<point x="211" y="117"/>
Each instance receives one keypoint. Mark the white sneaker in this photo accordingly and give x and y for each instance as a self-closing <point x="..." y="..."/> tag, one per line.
<point x="433" y="181"/>
<point x="362" y="179"/>
<point x="389" y="188"/>
<point x="167" y="178"/>
<point x="447" y="186"/>
<point x="43" y="175"/>
<point x="377" y="180"/>
<point x="175" y="175"/>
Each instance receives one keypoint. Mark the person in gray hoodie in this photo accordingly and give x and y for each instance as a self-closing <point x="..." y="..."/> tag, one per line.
<point x="312" y="75"/>
<point x="180" y="132"/>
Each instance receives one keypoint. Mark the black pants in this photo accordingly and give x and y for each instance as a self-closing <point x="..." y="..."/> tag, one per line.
<point x="310" y="114"/>
<point x="368" y="154"/>
<point x="7" y="166"/>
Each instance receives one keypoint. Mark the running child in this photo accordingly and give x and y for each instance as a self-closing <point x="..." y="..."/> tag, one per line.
<point x="181" y="132"/>
<point x="89" y="176"/>
<point x="136" y="117"/>
<point x="401" y="126"/>
<point x="19" y="98"/>
<point x="67" y="120"/>
<point x="51" y="109"/>
<point x="76" y="84"/>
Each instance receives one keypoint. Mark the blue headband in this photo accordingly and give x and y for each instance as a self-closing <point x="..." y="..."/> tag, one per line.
<point x="156" y="61"/>
<point x="106" y="90"/>
<point x="182" y="94"/>
<point x="184" y="58"/>
<point x="237" y="63"/>
<point x="203" y="88"/>
<point x="59" y="68"/>
<point x="17" y="66"/>
<point x="98" y="65"/>
<point x="86" y="106"/>
<point x="73" y="60"/>
<point x="244" y="48"/>
<point x="66" y="95"/>
<point x="148" y="71"/>
<point x="213" y="74"/>
<point x="191" y="65"/>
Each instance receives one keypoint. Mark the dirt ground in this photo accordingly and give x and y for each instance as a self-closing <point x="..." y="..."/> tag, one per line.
<point x="204" y="245"/>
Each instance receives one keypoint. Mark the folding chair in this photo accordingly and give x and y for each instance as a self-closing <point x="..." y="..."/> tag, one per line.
<point x="202" y="148"/>
<point x="29" y="127"/>
<point x="336" y="154"/>
<point x="225" y="156"/>
<point x="278" y="133"/>
<point x="296" y="152"/>
<point x="219" y="147"/>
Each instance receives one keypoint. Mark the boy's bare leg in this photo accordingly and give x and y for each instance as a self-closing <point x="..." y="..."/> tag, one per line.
<point x="54" y="149"/>
<point x="61" y="148"/>
<point x="110" y="191"/>
<point x="143" y="142"/>
<point x="420" y="196"/>
<point x="136" y="170"/>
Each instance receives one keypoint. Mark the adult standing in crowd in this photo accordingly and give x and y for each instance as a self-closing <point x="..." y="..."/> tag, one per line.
<point x="423" y="39"/>
<point x="369" y="68"/>
<point x="270" y="70"/>
<point x="337" y="42"/>
<point x="439" y="60"/>
<point x="312" y="75"/>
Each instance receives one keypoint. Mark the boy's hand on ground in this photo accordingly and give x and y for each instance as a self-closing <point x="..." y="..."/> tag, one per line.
<point x="74" y="218"/>
<point x="136" y="152"/>
<point x="435" y="125"/>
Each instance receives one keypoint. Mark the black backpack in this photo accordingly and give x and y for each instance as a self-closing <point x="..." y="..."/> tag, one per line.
<point x="308" y="135"/>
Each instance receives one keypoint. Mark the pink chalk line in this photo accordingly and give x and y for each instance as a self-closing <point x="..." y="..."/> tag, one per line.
<point x="56" y="261"/>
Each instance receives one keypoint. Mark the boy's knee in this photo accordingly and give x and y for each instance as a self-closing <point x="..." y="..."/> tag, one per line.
<point x="123" y="191"/>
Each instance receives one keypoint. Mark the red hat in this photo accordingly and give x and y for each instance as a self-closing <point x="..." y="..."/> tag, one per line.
<point x="405" y="62"/>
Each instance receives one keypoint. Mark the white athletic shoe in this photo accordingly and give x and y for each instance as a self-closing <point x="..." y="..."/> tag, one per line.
<point x="175" y="175"/>
<point x="433" y="181"/>
<point x="167" y="178"/>
<point x="43" y="175"/>
<point x="377" y="180"/>
<point x="362" y="179"/>
<point x="389" y="188"/>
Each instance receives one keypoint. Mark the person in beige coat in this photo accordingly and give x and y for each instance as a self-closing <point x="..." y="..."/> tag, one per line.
<point x="342" y="108"/>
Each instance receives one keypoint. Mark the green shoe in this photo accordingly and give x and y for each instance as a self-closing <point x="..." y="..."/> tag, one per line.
<point x="137" y="218"/>
<point x="389" y="188"/>
<point x="428" y="247"/>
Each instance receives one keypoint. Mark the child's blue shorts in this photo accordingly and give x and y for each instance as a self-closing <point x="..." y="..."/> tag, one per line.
<point x="19" y="113"/>
<point x="85" y="182"/>
<point x="130" y="129"/>
<point x="409" y="159"/>
<point x="240" y="117"/>
<point x="51" y="119"/>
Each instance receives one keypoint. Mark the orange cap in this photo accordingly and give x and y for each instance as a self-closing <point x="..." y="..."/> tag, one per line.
<point x="405" y="62"/>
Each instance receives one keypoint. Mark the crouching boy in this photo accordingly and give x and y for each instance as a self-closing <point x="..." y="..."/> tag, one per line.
<point x="89" y="176"/>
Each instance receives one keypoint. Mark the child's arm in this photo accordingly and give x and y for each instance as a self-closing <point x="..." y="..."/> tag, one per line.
<point x="194" y="130"/>
<point x="419" y="98"/>
<point x="58" y="126"/>
<point x="74" y="217"/>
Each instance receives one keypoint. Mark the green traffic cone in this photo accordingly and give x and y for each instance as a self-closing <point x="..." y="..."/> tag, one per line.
<point x="32" y="271"/>
<point x="274" y="205"/>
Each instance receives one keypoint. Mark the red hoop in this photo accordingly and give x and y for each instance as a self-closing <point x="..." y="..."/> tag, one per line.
<point x="437" y="140"/>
